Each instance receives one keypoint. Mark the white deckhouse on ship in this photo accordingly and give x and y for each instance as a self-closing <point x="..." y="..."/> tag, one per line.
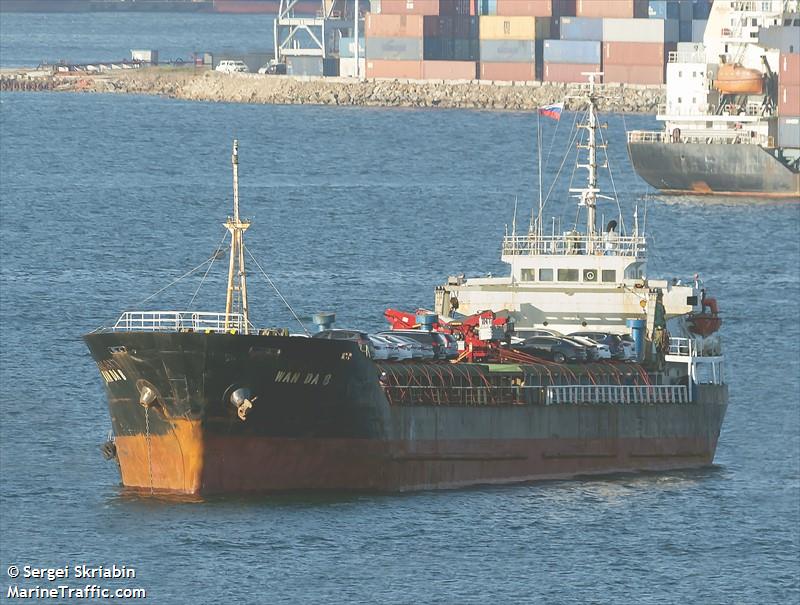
<point x="592" y="280"/>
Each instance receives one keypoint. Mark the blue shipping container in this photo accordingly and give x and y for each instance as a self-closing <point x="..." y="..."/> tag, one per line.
<point x="398" y="49"/>
<point x="663" y="9"/>
<point x="347" y="48"/>
<point x="701" y="9"/>
<point x="508" y="51"/>
<point x="581" y="28"/>
<point x="685" y="31"/>
<point x="487" y="7"/>
<point x="572" y="51"/>
<point x="698" y="29"/>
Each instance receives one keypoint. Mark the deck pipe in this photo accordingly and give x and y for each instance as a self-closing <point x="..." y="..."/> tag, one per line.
<point x="426" y="321"/>
<point x="637" y="327"/>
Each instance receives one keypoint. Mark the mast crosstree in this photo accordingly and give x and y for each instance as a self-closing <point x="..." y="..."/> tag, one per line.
<point x="237" y="276"/>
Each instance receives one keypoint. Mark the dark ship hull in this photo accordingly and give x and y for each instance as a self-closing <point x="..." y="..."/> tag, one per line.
<point x="326" y="417"/>
<point x="723" y="169"/>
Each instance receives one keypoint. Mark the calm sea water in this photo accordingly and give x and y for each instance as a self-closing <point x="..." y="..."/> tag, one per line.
<point x="105" y="199"/>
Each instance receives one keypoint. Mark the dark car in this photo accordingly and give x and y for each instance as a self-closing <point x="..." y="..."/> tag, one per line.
<point x="592" y="352"/>
<point x="614" y="342"/>
<point x="364" y="343"/>
<point x="553" y="347"/>
<point x="426" y="338"/>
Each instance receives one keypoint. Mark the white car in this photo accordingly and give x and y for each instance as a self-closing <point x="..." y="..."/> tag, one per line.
<point x="384" y="348"/>
<point x="230" y="67"/>
<point x="416" y="349"/>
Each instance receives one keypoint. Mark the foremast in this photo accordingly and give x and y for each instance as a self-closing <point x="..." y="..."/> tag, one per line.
<point x="237" y="276"/>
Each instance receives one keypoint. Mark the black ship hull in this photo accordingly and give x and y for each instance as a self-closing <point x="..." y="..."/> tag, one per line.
<point x="326" y="417"/>
<point x="722" y="169"/>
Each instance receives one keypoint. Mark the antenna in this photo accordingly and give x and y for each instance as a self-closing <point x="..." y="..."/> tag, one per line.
<point x="539" y="153"/>
<point x="236" y="227"/>
<point x="588" y="195"/>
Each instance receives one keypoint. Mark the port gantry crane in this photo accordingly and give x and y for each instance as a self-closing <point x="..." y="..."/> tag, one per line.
<point x="316" y="35"/>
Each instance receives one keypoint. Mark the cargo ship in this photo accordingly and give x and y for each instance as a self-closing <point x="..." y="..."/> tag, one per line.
<point x="204" y="402"/>
<point x="732" y="117"/>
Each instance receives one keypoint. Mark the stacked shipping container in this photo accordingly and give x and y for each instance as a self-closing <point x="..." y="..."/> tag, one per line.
<point x="636" y="51"/>
<point x="510" y="47"/>
<point x="569" y="60"/>
<point x="422" y="39"/>
<point x="513" y="39"/>
<point x="789" y="100"/>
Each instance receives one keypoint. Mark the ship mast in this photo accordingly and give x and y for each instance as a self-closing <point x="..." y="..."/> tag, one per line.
<point x="588" y="195"/>
<point x="237" y="227"/>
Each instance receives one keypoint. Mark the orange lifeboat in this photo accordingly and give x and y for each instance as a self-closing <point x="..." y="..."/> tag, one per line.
<point x="735" y="79"/>
<point x="707" y="322"/>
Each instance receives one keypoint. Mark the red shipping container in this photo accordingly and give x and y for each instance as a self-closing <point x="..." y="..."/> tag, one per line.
<point x="789" y="69"/>
<point x="393" y="26"/>
<point x="524" y="8"/>
<point x="633" y="74"/>
<point x="617" y="9"/>
<point x="517" y="72"/>
<point x="428" y="7"/>
<point x="404" y="70"/>
<point x="449" y="70"/>
<point x="788" y="100"/>
<point x="568" y="72"/>
<point x="636" y="53"/>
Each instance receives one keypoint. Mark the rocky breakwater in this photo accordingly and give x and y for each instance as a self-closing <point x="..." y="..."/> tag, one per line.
<point x="204" y="85"/>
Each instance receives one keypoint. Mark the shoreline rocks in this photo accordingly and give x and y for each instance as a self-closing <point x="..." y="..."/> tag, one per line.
<point x="204" y="85"/>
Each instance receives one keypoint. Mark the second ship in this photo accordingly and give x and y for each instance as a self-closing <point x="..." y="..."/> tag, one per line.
<point x="732" y="117"/>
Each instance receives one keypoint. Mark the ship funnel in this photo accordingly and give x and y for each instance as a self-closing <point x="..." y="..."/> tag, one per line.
<point x="426" y="321"/>
<point x="323" y="321"/>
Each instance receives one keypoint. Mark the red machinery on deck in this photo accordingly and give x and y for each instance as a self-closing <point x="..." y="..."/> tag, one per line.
<point x="482" y="334"/>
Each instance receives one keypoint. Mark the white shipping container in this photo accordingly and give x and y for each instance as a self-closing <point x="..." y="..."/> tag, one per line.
<point x="641" y="30"/>
<point x="347" y="67"/>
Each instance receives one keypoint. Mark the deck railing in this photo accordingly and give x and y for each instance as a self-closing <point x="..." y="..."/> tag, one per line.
<point x="578" y="243"/>
<point x="178" y="321"/>
<point x="680" y="346"/>
<point x="704" y="137"/>
<point x="617" y="394"/>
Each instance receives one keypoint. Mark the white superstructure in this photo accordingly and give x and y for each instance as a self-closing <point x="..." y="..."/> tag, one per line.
<point x="595" y="279"/>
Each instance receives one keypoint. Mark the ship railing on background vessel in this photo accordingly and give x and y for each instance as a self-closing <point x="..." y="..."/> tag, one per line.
<point x="705" y="137"/>
<point x="178" y="321"/>
<point x="680" y="346"/>
<point x="691" y="56"/>
<point x="575" y="243"/>
<point x="617" y="394"/>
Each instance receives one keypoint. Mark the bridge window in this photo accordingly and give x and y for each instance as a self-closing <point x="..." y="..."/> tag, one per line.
<point x="527" y="275"/>
<point x="609" y="276"/>
<point x="567" y="275"/>
<point x="545" y="275"/>
<point x="589" y="275"/>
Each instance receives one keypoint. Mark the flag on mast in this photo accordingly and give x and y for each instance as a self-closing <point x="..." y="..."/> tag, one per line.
<point x="552" y="111"/>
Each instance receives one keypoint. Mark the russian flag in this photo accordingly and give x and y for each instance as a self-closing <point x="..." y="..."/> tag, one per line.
<point x="552" y="111"/>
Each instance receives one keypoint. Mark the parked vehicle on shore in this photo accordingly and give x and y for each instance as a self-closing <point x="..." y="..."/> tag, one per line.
<point x="230" y="67"/>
